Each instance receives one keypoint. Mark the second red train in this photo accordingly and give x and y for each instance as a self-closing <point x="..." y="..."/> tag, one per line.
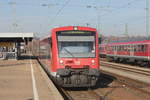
<point x="137" y="51"/>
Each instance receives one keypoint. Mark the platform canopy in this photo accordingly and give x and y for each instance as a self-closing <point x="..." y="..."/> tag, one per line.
<point x="16" y="37"/>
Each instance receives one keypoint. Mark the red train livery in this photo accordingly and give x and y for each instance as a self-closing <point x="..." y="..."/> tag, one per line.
<point x="71" y="56"/>
<point x="131" y="51"/>
<point x="102" y="49"/>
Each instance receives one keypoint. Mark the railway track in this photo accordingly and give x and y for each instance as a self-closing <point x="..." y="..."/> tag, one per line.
<point x="87" y="93"/>
<point x="98" y="93"/>
<point x="127" y="68"/>
<point x="80" y="94"/>
<point x="132" y="83"/>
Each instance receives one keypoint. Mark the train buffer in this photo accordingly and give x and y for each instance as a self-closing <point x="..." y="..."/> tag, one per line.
<point x="25" y="80"/>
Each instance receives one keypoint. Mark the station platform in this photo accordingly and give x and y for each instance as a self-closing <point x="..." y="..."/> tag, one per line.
<point x="25" y="80"/>
<point x="131" y="75"/>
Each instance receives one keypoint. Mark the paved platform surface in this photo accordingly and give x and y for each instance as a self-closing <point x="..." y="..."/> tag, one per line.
<point x="17" y="83"/>
<point x="135" y="76"/>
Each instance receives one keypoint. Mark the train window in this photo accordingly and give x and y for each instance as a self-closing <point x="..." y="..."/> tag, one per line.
<point x="139" y="48"/>
<point x="135" y="48"/>
<point x="104" y="48"/>
<point x="142" y="48"/>
<point x="112" y="48"/>
<point x="119" y="48"/>
<point x="76" y="49"/>
<point x="50" y="42"/>
<point x="132" y="47"/>
<point x="128" y="48"/>
<point x="122" y="48"/>
<point x="125" y="48"/>
<point x="115" y="48"/>
<point x="109" y="48"/>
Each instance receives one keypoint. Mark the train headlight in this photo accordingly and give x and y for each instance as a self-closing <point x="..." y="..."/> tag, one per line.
<point x="93" y="62"/>
<point x="61" y="61"/>
<point x="75" y="28"/>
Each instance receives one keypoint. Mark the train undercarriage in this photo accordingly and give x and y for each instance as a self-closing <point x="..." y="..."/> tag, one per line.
<point x="132" y="60"/>
<point x="85" y="77"/>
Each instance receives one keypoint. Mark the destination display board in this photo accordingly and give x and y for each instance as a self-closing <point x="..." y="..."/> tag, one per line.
<point x="76" y="32"/>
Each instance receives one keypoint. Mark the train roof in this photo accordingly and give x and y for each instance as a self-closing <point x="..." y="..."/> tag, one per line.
<point x="68" y="28"/>
<point x="132" y="39"/>
<point x="74" y="28"/>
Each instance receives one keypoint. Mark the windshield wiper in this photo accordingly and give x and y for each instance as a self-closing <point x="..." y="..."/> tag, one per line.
<point x="69" y="52"/>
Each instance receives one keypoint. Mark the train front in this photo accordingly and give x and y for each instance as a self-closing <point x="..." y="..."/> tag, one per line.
<point x="78" y="57"/>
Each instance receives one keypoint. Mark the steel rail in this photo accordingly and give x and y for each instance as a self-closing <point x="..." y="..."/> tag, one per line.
<point x="125" y="68"/>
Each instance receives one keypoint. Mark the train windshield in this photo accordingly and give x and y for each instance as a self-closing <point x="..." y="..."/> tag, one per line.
<point x="76" y="45"/>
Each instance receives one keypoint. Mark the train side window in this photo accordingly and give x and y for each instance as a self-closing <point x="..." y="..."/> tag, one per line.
<point x="124" y="47"/>
<point x="139" y="48"/>
<point x="119" y="48"/>
<point x="135" y="48"/>
<point x="115" y="47"/>
<point x="142" y="48"/>
<point x="110" y="48"/>
<point x="129" y="48"/>
<point x="50" y="42"/>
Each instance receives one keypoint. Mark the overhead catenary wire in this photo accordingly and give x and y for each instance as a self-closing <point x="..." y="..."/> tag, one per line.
<point x="59" y="11"/>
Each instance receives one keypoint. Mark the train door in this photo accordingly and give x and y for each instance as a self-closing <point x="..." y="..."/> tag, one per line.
<point x="131" y="50"/>
<point x="115" y="50"/>
<point x="144" y="50"/>
<point x="148" y="51"/>
<point x="48" y="52"/>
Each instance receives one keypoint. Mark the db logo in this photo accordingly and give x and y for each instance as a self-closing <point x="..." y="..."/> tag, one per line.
<point x="77" y="62"/>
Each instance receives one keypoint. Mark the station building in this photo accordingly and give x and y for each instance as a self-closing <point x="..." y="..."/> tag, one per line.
<point x="11" y="44"/>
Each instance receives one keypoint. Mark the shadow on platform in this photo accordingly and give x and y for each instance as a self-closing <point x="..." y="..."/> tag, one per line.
<point x="25" y="57"/>
<point x="103" y="82"/>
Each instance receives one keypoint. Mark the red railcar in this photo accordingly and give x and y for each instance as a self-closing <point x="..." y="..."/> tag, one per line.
<point x="132" y="51"/>
<point x="103" y="49"/>
<point x="71" y="56"/>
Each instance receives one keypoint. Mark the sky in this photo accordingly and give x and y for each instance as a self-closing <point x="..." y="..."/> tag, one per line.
<point x="110" y="17"/>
